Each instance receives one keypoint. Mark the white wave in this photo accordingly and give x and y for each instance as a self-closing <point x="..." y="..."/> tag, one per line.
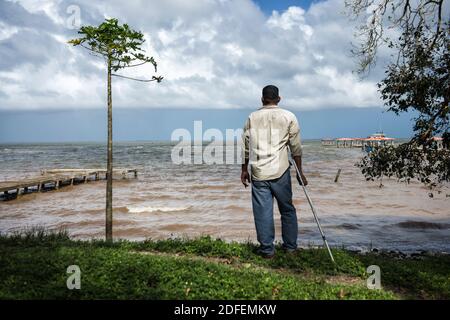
<point x="149" y="209"/>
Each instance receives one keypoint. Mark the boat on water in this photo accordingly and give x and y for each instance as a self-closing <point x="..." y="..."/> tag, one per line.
<point x="376" y="140"/>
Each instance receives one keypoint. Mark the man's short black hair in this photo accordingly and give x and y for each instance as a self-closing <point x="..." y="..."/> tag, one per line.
<point x="270" y="92"/>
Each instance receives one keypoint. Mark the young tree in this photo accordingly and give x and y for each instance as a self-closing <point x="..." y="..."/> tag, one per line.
<point x="120" y="47"/>
<point x="417" y="79"/>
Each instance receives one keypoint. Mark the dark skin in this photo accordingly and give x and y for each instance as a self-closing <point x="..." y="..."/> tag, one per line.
<point x="245" y="176"/>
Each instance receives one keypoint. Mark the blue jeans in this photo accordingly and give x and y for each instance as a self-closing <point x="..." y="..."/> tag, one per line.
<point x="263" y="193"/>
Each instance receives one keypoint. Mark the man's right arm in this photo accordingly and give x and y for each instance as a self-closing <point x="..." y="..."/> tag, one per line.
<point x="298" y="162"/>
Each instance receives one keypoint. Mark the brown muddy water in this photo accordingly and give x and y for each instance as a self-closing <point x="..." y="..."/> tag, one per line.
<point x="169" y="200"/>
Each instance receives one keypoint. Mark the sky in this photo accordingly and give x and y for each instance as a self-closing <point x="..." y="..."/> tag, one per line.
<point x="140" y="124"/>
<point x="215" y="56"/>
<point x="267" y="6"/>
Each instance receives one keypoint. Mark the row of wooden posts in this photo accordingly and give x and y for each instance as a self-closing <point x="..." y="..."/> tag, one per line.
<point x="57" y="178"/>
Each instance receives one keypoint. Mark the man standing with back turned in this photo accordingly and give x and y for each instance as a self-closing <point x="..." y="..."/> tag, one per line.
<point x="267" y="134"/>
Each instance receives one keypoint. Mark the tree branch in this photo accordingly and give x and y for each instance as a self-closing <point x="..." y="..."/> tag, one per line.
<point x="158" y="79"/>
<point x="135" y="65"/>
<point x="92" y="51"/>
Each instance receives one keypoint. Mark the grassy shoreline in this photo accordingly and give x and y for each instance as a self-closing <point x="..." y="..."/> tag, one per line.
<point x="33" y="266"/>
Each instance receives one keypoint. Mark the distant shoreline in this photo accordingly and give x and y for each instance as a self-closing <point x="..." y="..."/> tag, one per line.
<point x="128" y="142"/>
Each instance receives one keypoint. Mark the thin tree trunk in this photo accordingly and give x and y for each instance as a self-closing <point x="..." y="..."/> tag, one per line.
<point x="109" y="235"/>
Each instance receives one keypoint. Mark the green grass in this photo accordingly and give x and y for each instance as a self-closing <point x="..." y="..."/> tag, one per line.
<point x="33" y="266"/>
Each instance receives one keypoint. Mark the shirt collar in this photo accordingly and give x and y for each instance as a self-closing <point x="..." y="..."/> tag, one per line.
<point x="269" y="106"/>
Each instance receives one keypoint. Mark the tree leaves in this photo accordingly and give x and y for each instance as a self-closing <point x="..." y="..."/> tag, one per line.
<point x="118" y="43"/>
<point x="420" y="81"/>
<point x="406" y="162"/>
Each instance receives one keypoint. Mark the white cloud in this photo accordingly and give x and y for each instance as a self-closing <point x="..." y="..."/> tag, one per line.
<point x="293" y="18"/>
<point x="6" y="31"/>
<point x="212" y="53"/>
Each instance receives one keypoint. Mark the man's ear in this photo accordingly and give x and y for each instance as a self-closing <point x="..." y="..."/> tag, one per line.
<point x="262" y="100"/>
<point x="279" y="99"/>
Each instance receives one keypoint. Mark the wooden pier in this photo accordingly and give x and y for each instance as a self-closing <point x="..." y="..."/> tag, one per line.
<point x="374" y="140"/>
<point x="56" y="178"/>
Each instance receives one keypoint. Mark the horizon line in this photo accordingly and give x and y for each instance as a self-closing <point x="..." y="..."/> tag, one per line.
<point x="131" y="141"/>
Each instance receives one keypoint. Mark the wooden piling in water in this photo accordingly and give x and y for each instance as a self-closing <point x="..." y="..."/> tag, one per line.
<point x="337" y="175"/>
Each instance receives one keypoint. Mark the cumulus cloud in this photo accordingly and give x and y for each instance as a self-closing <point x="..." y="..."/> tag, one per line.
<point x="212" y="53"/>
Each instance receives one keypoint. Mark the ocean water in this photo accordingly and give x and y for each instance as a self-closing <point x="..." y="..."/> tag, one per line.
<point x="170" y="200"/>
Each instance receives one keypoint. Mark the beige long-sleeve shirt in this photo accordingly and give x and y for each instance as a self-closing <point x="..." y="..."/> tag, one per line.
<point x="267" y="134"/>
